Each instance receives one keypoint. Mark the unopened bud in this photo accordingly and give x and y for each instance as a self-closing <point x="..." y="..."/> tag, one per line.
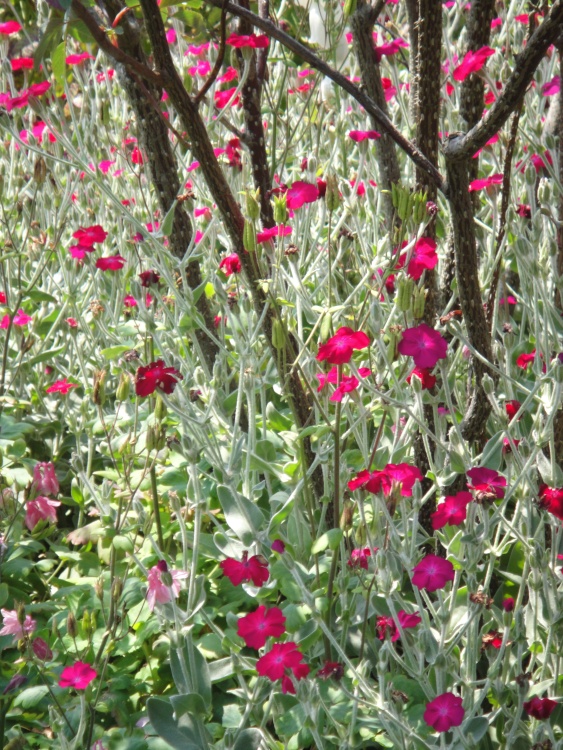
<point x="488" y="384"/>
<point x="99" y="589"/>
<point x="150" y="440"/>
<point x="99" y="390"/>
<point x="252" y="205"/>
<point x="278" y="334"/>
<point x="347" y="517"/>
<point x="326" y="326"/>
<point x="116" y="588"/>
<point x="71" y="628"/>
<point x="41" y="649"/>
<point x="392" y="346"/>
<point x="332" y="195"/>
<point x="419" y="301"/>
<point x="20" y="609"/>
<point x="123" y="388"/>
<point x="280" y="209"/>
<point x="40" y="171"/>
<point x="249" y="237"/>
<point x="404" y="296"/>
<point x="86" y="624"/>
<point x="544" y="192"/>
<point x="159" y="409"/>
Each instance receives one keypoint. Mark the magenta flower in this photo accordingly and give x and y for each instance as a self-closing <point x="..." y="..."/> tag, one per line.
<point x="424" y="256"/>
<point x="472" y="62"/>
<point x="300" y="193"/>
<point x="41" y="649"/>
<point x="9" y="27"/>
<point x="256" y="627"/>
<point x="372" y="481"/>
<point x="162" y="591"/>
<point x="40" y="509"/>
<point x="248" y="40"/>
<point x="512" y="407"/>
<point x="387" y="625"/>
<point x="426" y="378"/>
<point x="331" y="669"/>
<point x="61" y="386"/>
<point x="487" y="483"/>
<point x="268" y="234"/>
<point x="551" y="87"/>
<point x="253" y="569"/>
<point x="278" y="546"/>
<point x="389" y="48"/>
<point x="425" y="345"/>
<point x="523" y="360"/>
<point x="359" y="558"/>
<point x="452" y="511"/>
<point x="551" y="499"/>
<point x="44" y="478"/>
<point x="77" y="59"/>
<point x="21" y="63"/>
<point x="230" y="264"/>
<point x="332" y="377"/>
<point x="362" y="135"/>
<point x="402" y="476"/>
<point x="486" y="182"/>
<point x="222" y="98"/>
<point x="444" y="712"/>
<point x="432" y="573"/>
<point x="339" y="348"/>
<point x="278" y="664"/>
<point x="21" y="318"/>
<point x="508" y="604"/>
<point x="540" y="708"/>
<point x="12" y="626"/>
<point x="156" y="375"/>
<point x="88" y="236"/>
<point x="524" y="210"/>
<point x="148" y="278"/>
<point x="79" y="676"/>
<point x="111" y="263"/>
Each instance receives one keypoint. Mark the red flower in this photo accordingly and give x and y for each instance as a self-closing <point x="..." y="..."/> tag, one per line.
<point x="230" y="264"/>
<point x="89" y="235"/>
<point x="425" y="376"/>
<point x="551" y="499"/>
<point x="540" y="708"/>
<point x="487" y="482"/>
<point x="492" y="638"/>
<point x="21" y="318"/>
<point x="256" y="627"/>
<point x="331" y="669"/>
<point x="21" y="63"/>
<point x="388" y="625"/>
<point x="79" y="676"/>
<point x="156" y="375"/>
<point x="111" y="263"/>
<point x="359" y="558"/>
<point x="268" y="234"/>
<point x="551" y="87"/>
<point x="524" y="210"/>
<point x="148" y="278"/>
<point x="338" y="349"/>
<point x="508" y="604"/>
<point x="137" y="156"/>
<point x="248" y="40"/>
<point x="486" y="182"/>
<point x="300" y="193"/>
<point x="507" y="445"/>
<point x="372" y="481"/>
<point x="512" y="408"/>
<point x="523" y="360"/>
<point x="452" y="511"/>
<point x="472" y="62"/>
<point x="284" y="658"/>
<point x="253" y="569"/>
<point x="61" y="386"/>
<point x="424" y="344"/>
<point x="9" y="27"/>
<point x="424" y="256"/>
<point x="432" y="573"/>
<point x="77" y="59"/>
<point x="393" y="475"/>
<point x="444" y="712"/>
<point x="222" y="98"/>
<point x="362" y="135"/>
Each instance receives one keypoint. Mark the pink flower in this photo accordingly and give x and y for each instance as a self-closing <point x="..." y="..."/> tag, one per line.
<point x="551" y="499"/>
<point x="359" y="558"/>
<point x="268" y="234"/>
<point x="248" y="40"/>
<point x="40" y="509"/>
<point x="452" y="511"/>
<point x="13" y="627"/>
<point x="79" y="676"/>
<point x="156" y="375"/>
<point x="472" y="62"/>
<point x="523" y="360"/>
<point x="111" y="263"/>
<point x="222" y="98"/>
<point x="444" y="712"/>
<point x="129" y="301"/>
<point x="278" y="546"/>
<point x="361" y="135"/>
<point x="372" y="481"/>
<point x="2" y="298"/>
<point x="88" y="236"/>
<point x="432" y="573"/>
<point x="390" y="48"/>
<point x="21" y="318"/>
<point x="77" y="59"/>
<point x="424" y="256"/>
<point x="282" y="660"/>
<point x="393" y="476"/>
<point x="551" y="87"/>
<point x="256" y="627"/>
<point x="487" y="483"/>
<point x="21" y="63"/>
<point x="388" y="625"/>
<point x="253" y="569"/>
<point x="508" y="604"/>
<point x="148" y="278"/>
<point x="72" y="322"/>
<point x="426" y="378"/>
<point x="44" y="478"/>
<point x="171" y="36"/>
<point x="524" y="210"/>
<point x="137" y="157"/>
<point x="300" y="193"/>
<point x="485" y="182"/>
<point x="230" y="264"/>
<point x="540" y="708"/>
<point x="61" y="386"/>
<point x="162" y="591"/>
<point x="425" y="345"/>
<point x="9" y="27"/>
<point x="339" y="348"/>
<point x="512" y="407"/>
<point x="105" y="166"/>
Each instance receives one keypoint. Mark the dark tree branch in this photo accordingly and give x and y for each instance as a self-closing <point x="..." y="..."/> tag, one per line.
<point x="413" y="15"/>
<point x="362" y="22"/>
<point x="479" y="33"/>
<point x="383" y="122"/>
<point x="459" y="149"/>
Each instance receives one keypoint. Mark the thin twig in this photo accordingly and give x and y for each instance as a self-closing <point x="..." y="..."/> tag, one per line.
<point x="220" y="57"/>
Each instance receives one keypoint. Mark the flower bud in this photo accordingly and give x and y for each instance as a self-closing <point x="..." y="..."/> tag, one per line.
<point x="150" y="440"/>
<point x="20" y="609"/>
<point x="418" y="303"/>
<point x="404" y="296"/>
<point x="116" y="588"/>
<point x="122" y="393"/>
<point x="392" y="346"/>
<point x="159" y="409"/>
<point x="530" y="175"/>
<point x="99" y="390"/>
<point x="488" y="384"/>
<point x="347" y="517"/>
<point x="71" y="627"/>
<point x="86" y="624"/>
<point x="278" y="334"/>
<point x="252" y="205"/>
<point x="41" y="649"/>
<point x="544" y="192"/>
<point x="280" y="209"/>
<point x="332" y="195"/>
<point x="326" y="326"/>
<point x="40" y="171"/>
<point x="249" y="237"/>
<point x="99" y="589"/>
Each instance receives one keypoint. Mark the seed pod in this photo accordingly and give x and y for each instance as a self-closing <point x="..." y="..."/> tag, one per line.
<point x="99" y="389"/>
<point x="252" y="205"/>
<point x="159" y="409"/>
<point x="419" y="302"/>
<point x="249" y="237"/>
<point x="122" y="393"/>
<point x="326" y="326"/>
<point x="40" y="171"/>
<point x="332" y="195"/>
<point x="71" y="627"/>
<point x="280" y="209"/>
<point x="278" y="334"/>
<point x="404" y="296"/>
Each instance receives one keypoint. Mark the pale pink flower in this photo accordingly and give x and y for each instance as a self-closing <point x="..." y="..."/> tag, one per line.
<point x="13" y="627"/>
<point x="40" y="509"/>
<point x="160" y="591"/>
<point x="45" y="479"/>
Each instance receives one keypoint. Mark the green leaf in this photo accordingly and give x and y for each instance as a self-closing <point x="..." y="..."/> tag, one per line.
<point x="50" y="39"/>
<point x="476" y="729"/>
<point x="276" y="420"/>
<point x="112" y="352"/>
<point x="243" y="517"/>
<point x="187" y="679"/>
<point x="58" y="62"/>
<point x="161" y="715"/>
<point x="44" y="356"/>
<point x="4" y="593"/>
<point x="168" y="223"/>
<point x="248" y="739"/>
<point x="31" y="696"/>
<point x="330" y="539"/>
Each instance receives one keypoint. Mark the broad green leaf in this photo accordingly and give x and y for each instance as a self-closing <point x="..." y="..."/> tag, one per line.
<point x="243" y="516"/>
<point x="31" y="696"/>
<point x="58" y="63"/>
<point x="113" y="352"/>
<point x="168" y="222"/>
<point x="249" y="739"/>
<point x="330" y="539"/>
<point x="190" y="671"/>
<point x="161" y="715"/>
